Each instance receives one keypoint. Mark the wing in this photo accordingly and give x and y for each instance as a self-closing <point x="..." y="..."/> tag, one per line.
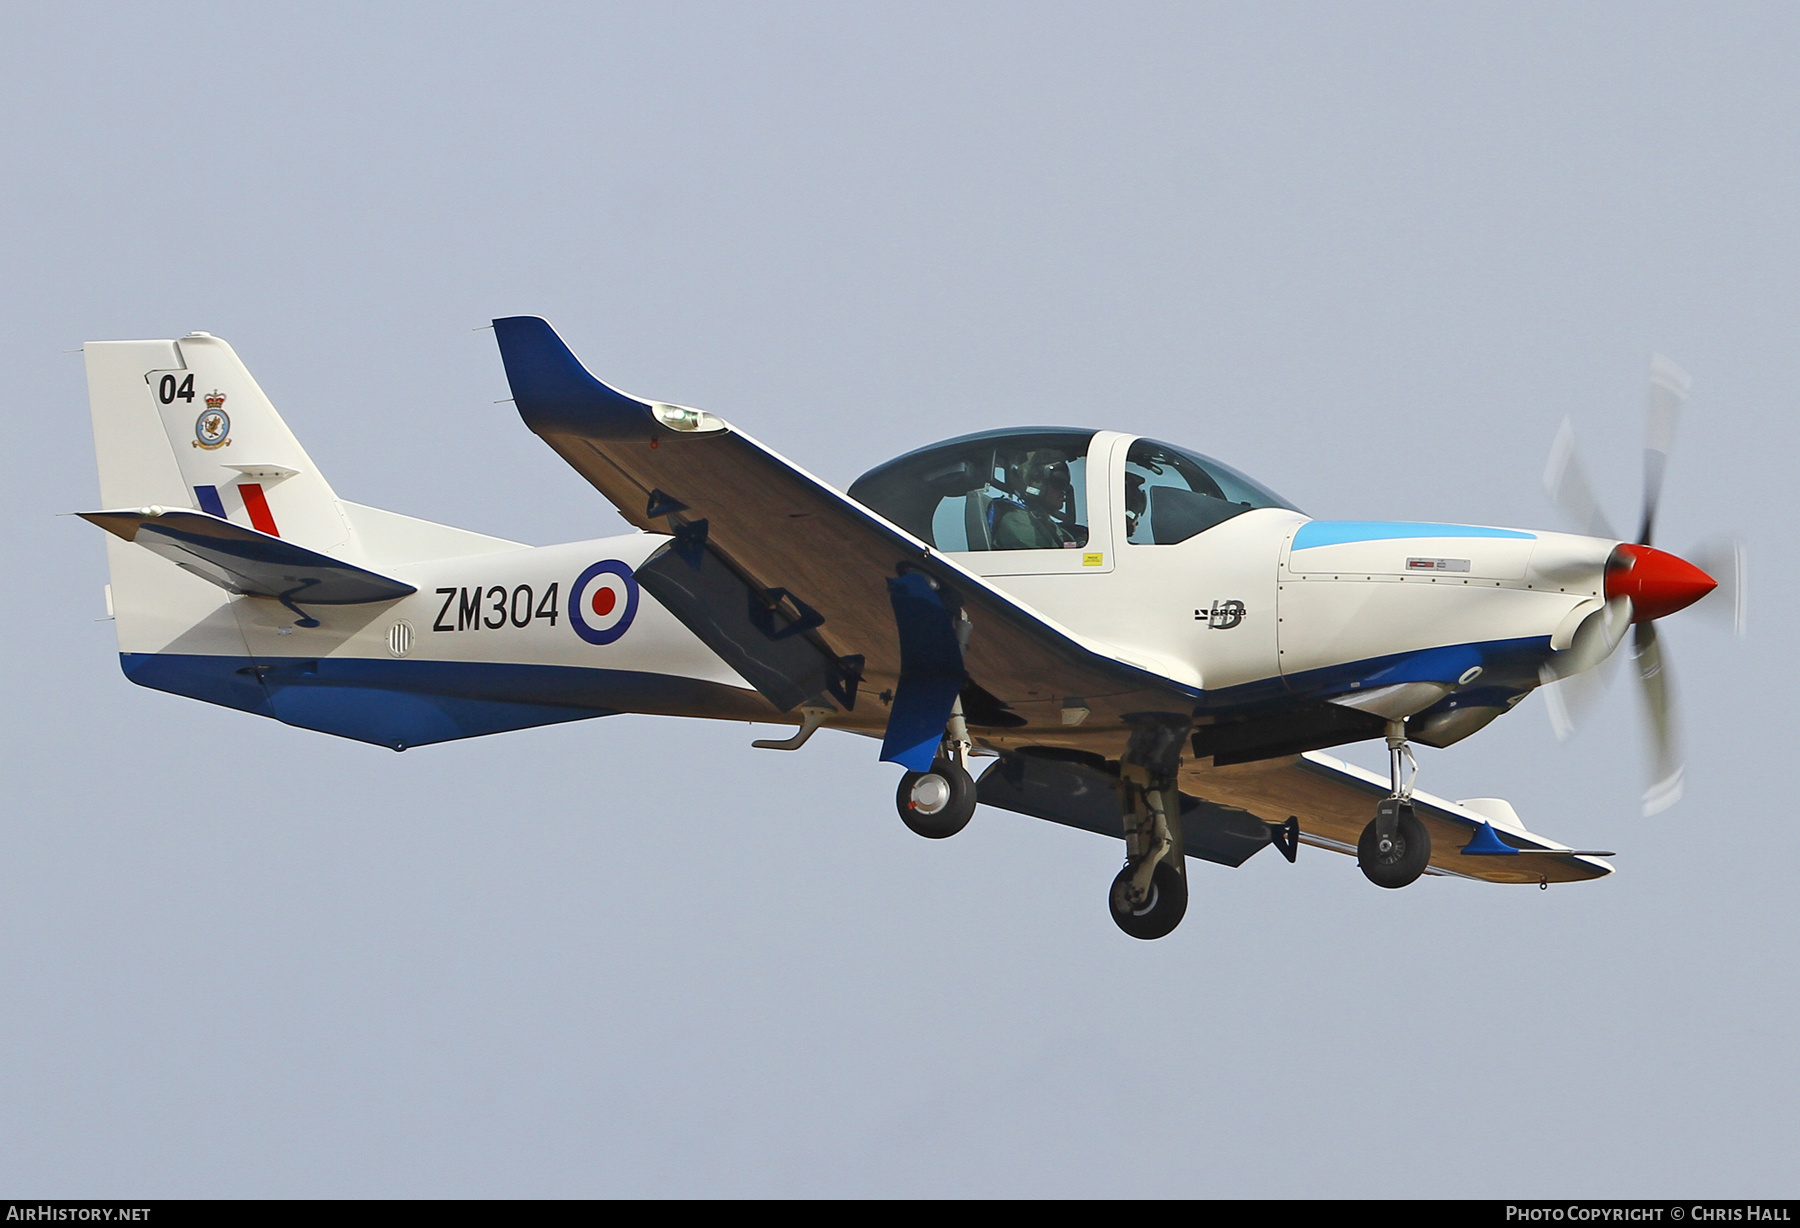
<point x="806" y="592"/>
<point x="1229" y="814"/>
<point x="1334" y="801"/>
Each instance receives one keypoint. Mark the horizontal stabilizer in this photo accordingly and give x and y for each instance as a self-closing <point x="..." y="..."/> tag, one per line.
<point x="243" y="560"/>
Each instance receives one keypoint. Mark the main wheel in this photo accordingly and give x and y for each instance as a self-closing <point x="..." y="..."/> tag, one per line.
<point x="1403" y="860"/>
<point x="1159" y="914"/>
<point x="937" y="803"/>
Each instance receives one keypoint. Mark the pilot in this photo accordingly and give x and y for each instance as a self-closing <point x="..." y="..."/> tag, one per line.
<point x="1036" y="516"/>
<point x="1136" y="504"/>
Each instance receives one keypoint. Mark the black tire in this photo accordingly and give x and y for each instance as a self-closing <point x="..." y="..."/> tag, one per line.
<point x="1401" y="864"/>
<point x="938" y="803"/>
<point x="1161" y="914"/>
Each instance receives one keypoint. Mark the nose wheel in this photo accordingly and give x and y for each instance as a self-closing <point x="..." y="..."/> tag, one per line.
<point x="938" y="803"/>
<point x="1395" y="848"/>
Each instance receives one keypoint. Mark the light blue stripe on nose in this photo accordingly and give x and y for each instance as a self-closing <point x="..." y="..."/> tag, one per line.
<point x="1337" y="532"/>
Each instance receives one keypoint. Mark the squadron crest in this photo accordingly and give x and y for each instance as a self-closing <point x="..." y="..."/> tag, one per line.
<point x="212" y="429"/>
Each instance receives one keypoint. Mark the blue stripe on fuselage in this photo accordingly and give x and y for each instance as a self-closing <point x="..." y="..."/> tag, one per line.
<point x="1512" y="664"/>
<point x="399" y="703"/>
<point x="402" y="703"/>
<point x="1338" y="532"/>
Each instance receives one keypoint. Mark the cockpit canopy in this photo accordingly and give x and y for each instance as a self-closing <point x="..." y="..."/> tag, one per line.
<point x="1171" y="494"/>
<point x="1027" y="489"/>
<point x="999" y="490"/>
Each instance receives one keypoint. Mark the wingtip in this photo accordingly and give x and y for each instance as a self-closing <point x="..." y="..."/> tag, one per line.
<point x="553" y="389"/>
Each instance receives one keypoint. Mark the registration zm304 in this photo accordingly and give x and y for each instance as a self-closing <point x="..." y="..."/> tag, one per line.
<point x="472" y="609"/>
<point x="998" y="597"/>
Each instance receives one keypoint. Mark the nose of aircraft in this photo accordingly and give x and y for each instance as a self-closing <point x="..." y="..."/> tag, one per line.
<point x="1657" y="582"/>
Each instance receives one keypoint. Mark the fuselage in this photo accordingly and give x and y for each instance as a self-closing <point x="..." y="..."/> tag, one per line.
<point x="1152" y="554"/>
<point x="1255" y="605"/>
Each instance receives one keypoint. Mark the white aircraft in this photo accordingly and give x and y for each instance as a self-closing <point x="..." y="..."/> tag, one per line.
<point x="1149" y="644"/>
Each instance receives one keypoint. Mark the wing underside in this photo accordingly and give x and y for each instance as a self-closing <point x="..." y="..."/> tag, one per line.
<point x="1334" y="801"/>
<point x="1229" y="814"/>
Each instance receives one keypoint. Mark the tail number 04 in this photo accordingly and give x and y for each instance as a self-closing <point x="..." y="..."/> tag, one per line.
<point x="476" y="609"/>
<point x="168" y="391"/>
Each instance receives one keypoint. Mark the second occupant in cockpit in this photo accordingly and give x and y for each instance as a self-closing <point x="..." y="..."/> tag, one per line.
<point x="1036" y="513"/>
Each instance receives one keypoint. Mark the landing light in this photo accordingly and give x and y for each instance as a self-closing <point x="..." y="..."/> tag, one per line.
<point x="681" y="418"/>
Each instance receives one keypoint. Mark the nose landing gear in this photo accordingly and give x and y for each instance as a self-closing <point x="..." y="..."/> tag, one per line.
<point x="1395" y="848"/>
<point x="1398" y="855"/>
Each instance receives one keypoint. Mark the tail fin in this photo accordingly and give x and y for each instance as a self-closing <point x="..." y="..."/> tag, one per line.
<point x="233" y="455"/>
<point x="182" y="426"/>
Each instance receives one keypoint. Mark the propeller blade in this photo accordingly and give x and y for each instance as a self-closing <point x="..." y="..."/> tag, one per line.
<point x="1574" y="680"/>
<point x="1657" y="687"/>
<point x="1566" y="483"/>
<point x="1594" y="641"/>
<point x="1571" y="700"/>
<point x="1725" y="560"/>
<point x="1669" y="386"/>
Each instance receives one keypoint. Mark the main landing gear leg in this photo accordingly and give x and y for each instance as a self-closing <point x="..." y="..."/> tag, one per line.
<point x="940" y="803"/>
<point x="1395" y="848"/>
<point x="1149" y="896"/>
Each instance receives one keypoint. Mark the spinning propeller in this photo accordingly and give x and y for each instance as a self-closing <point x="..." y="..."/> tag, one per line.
<point x="1643" y="584"/>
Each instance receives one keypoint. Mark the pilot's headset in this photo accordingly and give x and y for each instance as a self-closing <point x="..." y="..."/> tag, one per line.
<point x="1038" y="472"/>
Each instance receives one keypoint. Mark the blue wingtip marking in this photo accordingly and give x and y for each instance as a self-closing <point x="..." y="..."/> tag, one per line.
<point x="554" y="391"/>
<point x="1487" y="843"/>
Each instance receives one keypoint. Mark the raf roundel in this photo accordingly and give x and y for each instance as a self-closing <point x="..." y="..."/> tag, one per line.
<point x="603" y="601"/>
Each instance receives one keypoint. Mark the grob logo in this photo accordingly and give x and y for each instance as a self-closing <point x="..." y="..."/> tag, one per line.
<point x="1223" y="616"/>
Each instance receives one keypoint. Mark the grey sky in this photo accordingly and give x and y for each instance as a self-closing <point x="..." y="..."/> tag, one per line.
<point x="1371" y="255"/>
